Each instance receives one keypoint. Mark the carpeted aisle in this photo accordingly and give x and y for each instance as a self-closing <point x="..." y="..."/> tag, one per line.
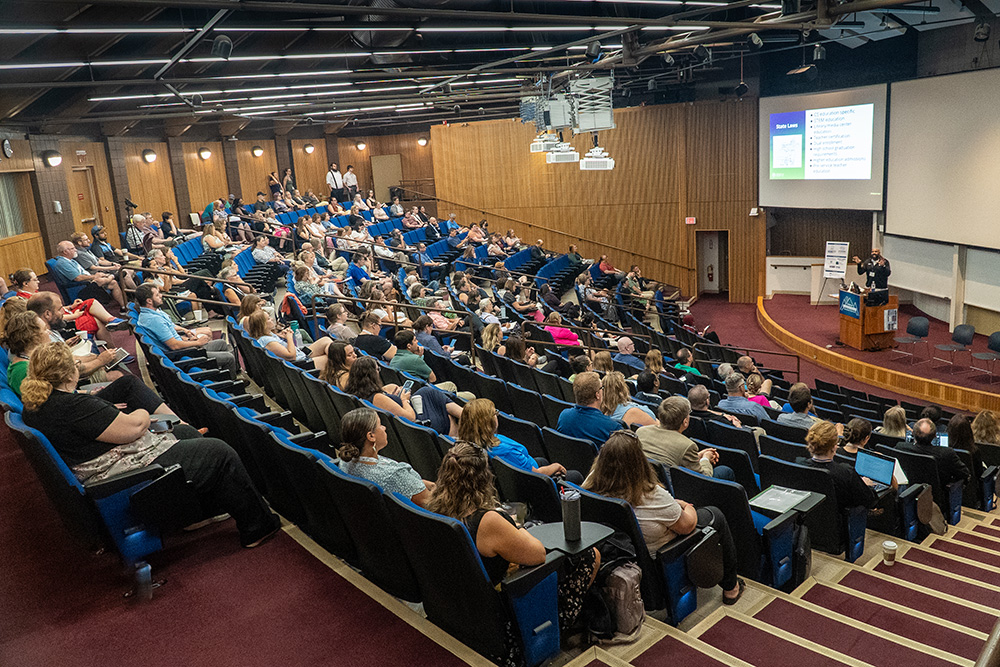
<point x="222" y="605"/>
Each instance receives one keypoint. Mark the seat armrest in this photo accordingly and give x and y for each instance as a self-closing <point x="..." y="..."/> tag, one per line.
<point x="200" y="362"/>
<point x="911" y="492"/>
<point x="856" y="524"/>
<point x="252" y="401"/>
<point x="209" y="375"/>
<point x="278" y="419"/>
<point x="234" y="387"/>
<point x="525" y="578"/>
<point x="186" y="353"/>
<point x="126" y="480"/>
<point x="678" y="546"/>
<point x="316" y="440"/>
<point x="779" y="545"/>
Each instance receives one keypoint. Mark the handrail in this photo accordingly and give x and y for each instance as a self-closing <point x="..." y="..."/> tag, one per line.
<point x="798" y="360"/>
<point x="543" y="228"/>
<point x="990" y="655"/>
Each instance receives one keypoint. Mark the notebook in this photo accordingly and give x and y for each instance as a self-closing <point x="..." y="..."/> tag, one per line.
<point x="879" y="468"/>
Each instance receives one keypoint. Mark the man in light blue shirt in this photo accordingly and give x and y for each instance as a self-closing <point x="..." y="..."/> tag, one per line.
<point x="585" y="419"/>
<point x="625" y="355"/>
<point x="736" y="401"/>
<point x="173" y="337"/>
<point x="70" y="271"/>
<point x="434" y="269"/>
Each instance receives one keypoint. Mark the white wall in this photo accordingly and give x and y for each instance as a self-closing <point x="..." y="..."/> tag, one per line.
<point x="708" y="256"/>
<point x="789" y="275"/>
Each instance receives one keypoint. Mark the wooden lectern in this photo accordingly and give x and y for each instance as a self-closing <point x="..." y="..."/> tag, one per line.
<point x="864" y="327"/>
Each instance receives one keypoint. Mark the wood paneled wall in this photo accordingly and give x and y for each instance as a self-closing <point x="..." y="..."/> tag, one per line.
<point x="150" y="184"/>
<point x="417" y="161"/>
<point x="23" y="250"/>
<point x="206" y="178"/>
<point x="803" y="232"/>
<point x="254" y="170"/>
<point x="310" y="169"/>
<point x="94" y="156"/>
<point x="22" y="160"/>
<point x="672" y="161"/>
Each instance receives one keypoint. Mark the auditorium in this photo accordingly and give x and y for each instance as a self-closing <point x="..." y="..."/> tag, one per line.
<point x="530" y="333"/>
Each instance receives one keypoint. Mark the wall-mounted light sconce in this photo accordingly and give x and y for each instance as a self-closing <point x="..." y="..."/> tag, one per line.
<point x="361" y="145"/>
<point x="52" y="158"/>
<point x="422" y="141"/>
<point x="149" y="156"/>
<point x="309" y="148"/>
<point x="257" y="151"/>
<point x="204" y="153"/>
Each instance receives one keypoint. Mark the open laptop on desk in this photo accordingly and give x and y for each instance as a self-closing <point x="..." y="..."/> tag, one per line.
<point x="879" y="468"/>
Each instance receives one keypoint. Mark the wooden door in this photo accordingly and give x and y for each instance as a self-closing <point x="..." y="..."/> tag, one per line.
<point x="83" y="204"/>
<point x="387" y="171"/>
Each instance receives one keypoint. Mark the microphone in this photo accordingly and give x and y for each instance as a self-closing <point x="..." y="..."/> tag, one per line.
<point x="130" y="203"/>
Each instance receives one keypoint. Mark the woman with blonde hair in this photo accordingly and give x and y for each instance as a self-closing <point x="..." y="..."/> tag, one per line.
<point x="464" y="490"/>
<point x="621" y="470"/>
<point x="852" y="489"/>
<point x="755" y="381"/>
<point x="894" y="423"/>
<point x="617" y="402"/>
<point x="560" y="334"/>
<point x="603" y="362"/>
<point x="281" y="343"/>
<point x="491" y="336"/>
<point x="97" y="440"/>
<point x="213" y="239"/>
<point x="10" y="307"/>
<point x="479" y="424"/>
<point x="654" y="361"/>
<point x="363" y="436"/>
<point x="986" y="427"/>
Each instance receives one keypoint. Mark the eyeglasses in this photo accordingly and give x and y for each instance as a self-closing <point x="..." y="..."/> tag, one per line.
<point x="626" y="432"/>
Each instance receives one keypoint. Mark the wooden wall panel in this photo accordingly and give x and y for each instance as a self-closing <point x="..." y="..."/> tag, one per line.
<point x="93" y="154"/>
<point x="23" y="250"/>
<point x="416" y="161"/>
<point x="803" y="232"/>
<point x="206" y="178"/>
<point x="150" y="184"/>
<point x="672" y="161"/>
<point x="310" y="169"/>
<point x="254" y="170"/>
<point x="22" y="159"/>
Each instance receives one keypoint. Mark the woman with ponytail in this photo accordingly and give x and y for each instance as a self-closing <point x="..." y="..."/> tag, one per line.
<point x="97" y="440"/>
<point x="856" y="435"/>
<point x="363" y="436"/>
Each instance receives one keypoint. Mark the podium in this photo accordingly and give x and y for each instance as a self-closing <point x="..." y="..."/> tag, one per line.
<point x="867" y="327"/>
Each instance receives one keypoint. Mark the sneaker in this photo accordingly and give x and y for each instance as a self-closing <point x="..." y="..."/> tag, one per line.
<point x="206" y="522"/>
<point x="267" y="536"/>
<point x="116" y="324"/>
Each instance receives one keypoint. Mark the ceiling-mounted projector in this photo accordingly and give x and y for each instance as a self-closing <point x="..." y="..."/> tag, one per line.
<point x="563" y="152"/>
<point x="597" y="159"/>
<point x="544" y="143"/>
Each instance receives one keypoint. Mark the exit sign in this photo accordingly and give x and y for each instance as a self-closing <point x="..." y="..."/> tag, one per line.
<point x="689" y="221"/>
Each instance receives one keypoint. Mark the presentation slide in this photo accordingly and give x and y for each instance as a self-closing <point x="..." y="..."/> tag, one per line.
<point x="824" y="150"/>
<point x="944" y="159"/>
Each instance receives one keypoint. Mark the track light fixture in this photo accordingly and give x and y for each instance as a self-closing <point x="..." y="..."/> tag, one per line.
<point x="668" y="60"/>
<point x="819" y="53"/>
<point x="651" y="85"/>
<point x="309" y="148"/>
<point x="741" y="89"/>
<point x="593" y="50"/>
<point x="149" y="156"/>
<point x="257" y="151"/>
<point x="755" y="42"/>
<point x="204" y="153"/>
<point x="701" y="54"/>
<point x="982" y="32"/>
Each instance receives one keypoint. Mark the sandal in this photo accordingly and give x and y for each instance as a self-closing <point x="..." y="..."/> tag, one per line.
<point x="741" y="586"/>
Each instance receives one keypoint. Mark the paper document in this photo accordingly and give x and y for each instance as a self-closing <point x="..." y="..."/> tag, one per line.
<point x="778" y="499"/>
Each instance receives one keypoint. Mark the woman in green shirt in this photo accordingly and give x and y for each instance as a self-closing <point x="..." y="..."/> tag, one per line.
<point x="22" y="334"/>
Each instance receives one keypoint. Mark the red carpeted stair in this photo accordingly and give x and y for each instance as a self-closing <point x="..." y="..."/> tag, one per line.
<point x="946" y="564"/>
<point x="940" y="582"/>
<point x="842" y="637"/>
<point x="671" y="651"/>
<point x="983" y="542"/>
<point x="761" y="648"/>
<point x="897" y="622"/>
<point x="955" y="549"/>
<point x="987" y="530"/>
<point x="929" y="604"/>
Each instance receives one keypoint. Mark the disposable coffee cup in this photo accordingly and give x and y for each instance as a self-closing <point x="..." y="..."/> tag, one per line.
<point x="418" y="404"/>
<point x="889" y="553"/>
<point x="571" y="515"/>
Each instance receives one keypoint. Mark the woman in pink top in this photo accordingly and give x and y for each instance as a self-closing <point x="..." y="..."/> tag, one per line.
<point x="754" y="382"/>
<point x="560" y="334"/>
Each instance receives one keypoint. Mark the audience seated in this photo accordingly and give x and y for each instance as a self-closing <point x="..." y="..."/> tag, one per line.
<point x="86" y="315"/>
<point x="465" y="491"/>
<point x="97" y="440"/>
<point x="281" y="342"/>
<point x="175" y="337"/>
<point x="340" y="356"/>
<point x="617" y="403"/>
<point x="478" y="426"/>
<point x="894" y="423"/>
<point x="736" y="401"/>
<point x="665" y="441"/>
<point x="647" y="386"/>
<point x="701" y="407"/>
<point x="585" y="419"/>
<point x="516" y="350"/>
<point x="746" y="366"/>
<point x="409" y="356"/>
<point x="800" y="400"/>
<point x="621" y="470"/>
<point x="362" y="436"/>
<point x="960" y="436"/>
<point x="560" y="334"/>
<point x="857" y="433"/>
<point x="364" y="382"/>
<point x="580" y="364"/>
<point x="336" y="323"/>
<point x="23" y="332"/>
<point x="48" y="306"/>
<point x="100" y="285"/>
<point x="949" y="465"/>
<point x="603" y="362"/>
<point x="852" y="489"/>
<point x="626" y="354"/>
<point x="986" y="427"/>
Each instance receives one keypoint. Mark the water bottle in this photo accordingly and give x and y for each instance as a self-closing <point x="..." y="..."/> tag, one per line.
<point x="296" y="334"/>
<point x="571" y="515"/>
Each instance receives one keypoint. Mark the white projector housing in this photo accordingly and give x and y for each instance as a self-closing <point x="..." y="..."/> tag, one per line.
<point x="597" y="160"/>
<point x="563" y="152"/>
<point x="544" y="143"/>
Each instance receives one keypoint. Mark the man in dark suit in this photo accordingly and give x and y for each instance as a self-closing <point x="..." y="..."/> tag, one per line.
<point x="950" y="467"/>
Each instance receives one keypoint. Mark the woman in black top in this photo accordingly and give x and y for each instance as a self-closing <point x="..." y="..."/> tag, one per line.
<point x="857" y="433"/>
<point x="96" y="439"/>
<point x="852" y="490"/>
<point x="465" y="491"/>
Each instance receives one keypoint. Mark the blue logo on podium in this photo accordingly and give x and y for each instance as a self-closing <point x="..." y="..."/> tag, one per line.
<point x="850" y="304"/>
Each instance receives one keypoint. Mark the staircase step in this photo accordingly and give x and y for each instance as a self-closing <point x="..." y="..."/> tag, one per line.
<point x="673" y="651"/>
<point x="978" y="540"/>
<point x="943" y="562"/>
<point x="987" y="530"/>
<point x="963" y="551"/>
<point x="761" y="648"/>
<point x="927" y="603"/>
<point x="894" y="621"/>
<point x="941" y="582"/>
